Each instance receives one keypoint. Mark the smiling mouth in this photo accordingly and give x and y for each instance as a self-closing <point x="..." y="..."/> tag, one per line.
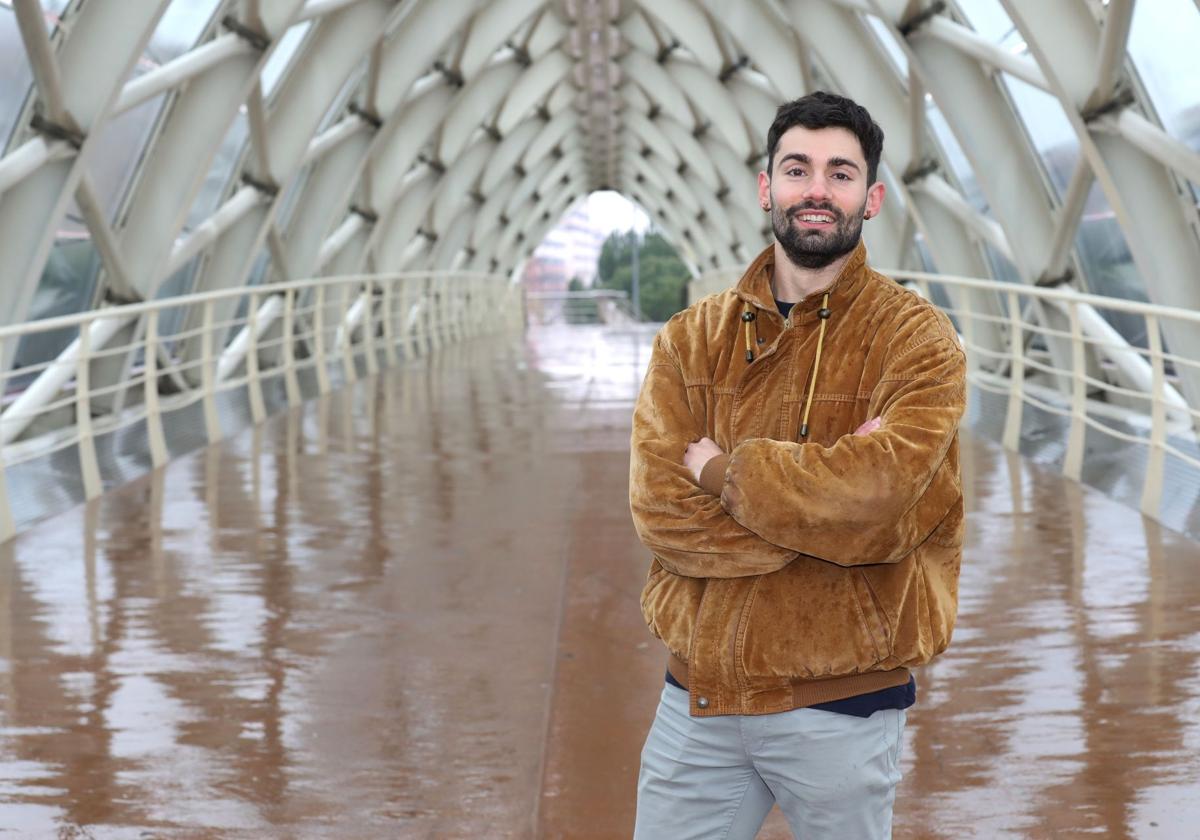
<point x="814" y="216"/>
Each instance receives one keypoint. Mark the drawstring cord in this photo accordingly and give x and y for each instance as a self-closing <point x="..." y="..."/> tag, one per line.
<point x="824" y="313"/>
<point x="747" y="318"/>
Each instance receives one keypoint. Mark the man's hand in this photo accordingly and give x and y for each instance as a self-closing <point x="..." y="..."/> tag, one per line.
<point x="869" y="426"/>
<point x="697" y="455"/>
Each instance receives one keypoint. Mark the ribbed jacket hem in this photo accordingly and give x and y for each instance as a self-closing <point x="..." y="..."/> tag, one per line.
<point x="803" y="692"/>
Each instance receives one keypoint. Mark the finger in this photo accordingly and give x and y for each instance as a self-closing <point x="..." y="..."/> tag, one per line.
<point x="870" y="426"/>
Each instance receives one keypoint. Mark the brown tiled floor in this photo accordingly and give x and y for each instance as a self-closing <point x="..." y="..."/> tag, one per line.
<point x="411" y="611"/>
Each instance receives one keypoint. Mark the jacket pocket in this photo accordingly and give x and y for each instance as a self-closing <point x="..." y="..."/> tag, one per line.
<point x="949" y="532"/>
<point x="669" y="605"/>
<point x="813" y="619"/>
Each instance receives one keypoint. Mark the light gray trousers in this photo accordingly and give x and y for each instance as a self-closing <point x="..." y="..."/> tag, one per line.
<point x="716" y="778"/>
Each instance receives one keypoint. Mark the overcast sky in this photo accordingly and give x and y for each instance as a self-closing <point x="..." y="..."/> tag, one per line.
<point x="611" y="211"/>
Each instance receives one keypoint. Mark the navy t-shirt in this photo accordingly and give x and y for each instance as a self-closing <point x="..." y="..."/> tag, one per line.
<point x="861" y="705"/>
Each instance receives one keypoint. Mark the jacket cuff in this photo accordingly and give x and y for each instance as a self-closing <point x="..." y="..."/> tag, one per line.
<point x="712" y="476"/>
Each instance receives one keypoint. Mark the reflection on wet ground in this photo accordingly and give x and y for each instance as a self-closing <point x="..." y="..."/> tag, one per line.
<point x="410" y="610"/>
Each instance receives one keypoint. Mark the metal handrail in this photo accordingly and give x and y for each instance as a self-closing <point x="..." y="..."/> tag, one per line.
<point x="610" y="306"/>
<point x="1061" y="382"/>
<point x="325" y="325"/>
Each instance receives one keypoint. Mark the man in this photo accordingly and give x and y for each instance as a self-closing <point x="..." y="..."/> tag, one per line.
<point x="795" y="473"/>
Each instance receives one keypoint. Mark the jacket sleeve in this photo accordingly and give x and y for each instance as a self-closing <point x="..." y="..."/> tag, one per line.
<point x="686" y="527"/>
<point x="867" y="498"/>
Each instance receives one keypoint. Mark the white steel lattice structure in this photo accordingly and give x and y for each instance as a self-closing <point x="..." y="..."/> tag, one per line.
<point x="156" y="148"/>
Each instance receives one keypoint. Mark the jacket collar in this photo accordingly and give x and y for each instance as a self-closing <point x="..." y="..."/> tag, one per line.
<point x="755" y="285"/>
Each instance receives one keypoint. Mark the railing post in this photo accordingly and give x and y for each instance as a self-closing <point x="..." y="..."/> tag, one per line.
<point x="1152" y="489"/>
<point x="319" y="341"/>
<point x="461" y="302"/>
<point x="968" y="328"/>
<point x="474" y="293"/>
<point x="88" y="465"/>
<point x="258" y="411"/>
<point x="208" y="375"/>
<point x="414" y="302"/>
<point x="1077" y="436"/>
<point x="154" y="426"/>
<point x="388" y="309"/>
<point x="403" y="307"/>
<point x="437" y="321"/>
<point x="7" y="526"/>
<point x="290" y="382"/>
<point x="349" y="371"/>
<point x="478" y="302"/>
<point x="1016" y="390"/>
<point x="368" y="328"/>
<point x="450" y="310"/>
<point x="514" y="296"/>
<point x="421" y="337"/>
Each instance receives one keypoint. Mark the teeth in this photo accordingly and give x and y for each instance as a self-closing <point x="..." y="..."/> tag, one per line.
<point x="813" y="217"/>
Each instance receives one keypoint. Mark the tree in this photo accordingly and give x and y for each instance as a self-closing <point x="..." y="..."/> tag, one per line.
<point x="662" y="276"/>
<point x="575" y="285"/>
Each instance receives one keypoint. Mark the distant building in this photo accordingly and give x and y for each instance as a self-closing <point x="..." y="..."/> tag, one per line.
<point x="570" y="249"/>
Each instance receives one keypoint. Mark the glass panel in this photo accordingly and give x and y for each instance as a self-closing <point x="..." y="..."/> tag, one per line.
<point x="1163" y="43"/>
<point x="179" y="283"/>
<point x="287" y="204"/>
<point x="15" y="75"/>
<point x="988" y="18"/>
<point x="961" y="169"/>
<point x="338" y="106"/>
<point x="1002" y="267"/>
<point x="116" y="155"/>
<point x="65" y="288"/>
<point x="178" y="30"/>
<point x="1048" y="127"/>
<point x="885" y="37"/>
<point x="924" y="257"/>
<point x="258" y="271"/>
<point x="1108" y="265"/>
<point x="219" y="172"/>
<point x="281" y="58"/>
<point x="937" y="292"/>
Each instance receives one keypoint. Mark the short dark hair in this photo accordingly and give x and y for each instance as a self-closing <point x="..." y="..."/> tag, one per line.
<point x="821" y="109"/>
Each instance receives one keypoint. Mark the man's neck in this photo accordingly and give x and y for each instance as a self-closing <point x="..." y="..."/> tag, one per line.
<point x="792" y="283"/>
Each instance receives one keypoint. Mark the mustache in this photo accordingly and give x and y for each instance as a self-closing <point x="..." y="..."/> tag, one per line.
<point x="796" y="209"/>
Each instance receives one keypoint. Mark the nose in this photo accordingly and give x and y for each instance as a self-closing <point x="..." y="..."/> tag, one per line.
<point x="817" y="189"/>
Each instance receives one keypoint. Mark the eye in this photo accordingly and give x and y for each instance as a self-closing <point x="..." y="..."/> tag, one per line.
<point x="795" y="171"/>
<point x="841" y="176"/>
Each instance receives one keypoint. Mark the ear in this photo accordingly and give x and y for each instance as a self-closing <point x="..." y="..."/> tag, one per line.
<point x="874" y="199"/>
<point x="764" y="190"/>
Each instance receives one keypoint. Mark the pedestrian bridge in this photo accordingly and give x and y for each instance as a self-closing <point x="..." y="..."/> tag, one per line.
<point x="313" y="523"/>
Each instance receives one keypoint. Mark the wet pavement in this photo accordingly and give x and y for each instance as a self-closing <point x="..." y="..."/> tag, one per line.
<point x="410" y="610"/>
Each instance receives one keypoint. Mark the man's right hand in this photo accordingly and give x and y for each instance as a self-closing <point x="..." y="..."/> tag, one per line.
<point x="869" y="426"/>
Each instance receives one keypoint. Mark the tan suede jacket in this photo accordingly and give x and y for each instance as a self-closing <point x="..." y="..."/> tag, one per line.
<point x="801" y="572"/>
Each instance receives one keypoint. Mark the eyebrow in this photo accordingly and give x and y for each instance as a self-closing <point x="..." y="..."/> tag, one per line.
<point x="833" y="161"/>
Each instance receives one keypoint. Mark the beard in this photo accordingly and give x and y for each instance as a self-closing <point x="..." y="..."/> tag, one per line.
<point x="809" y="248"/>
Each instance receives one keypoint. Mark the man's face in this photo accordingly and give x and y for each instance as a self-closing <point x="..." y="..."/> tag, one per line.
<point x="818" y="194"/>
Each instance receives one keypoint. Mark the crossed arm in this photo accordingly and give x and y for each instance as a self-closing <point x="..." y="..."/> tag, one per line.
<point x="684" y="525"/>
<point x="871" y="497"/>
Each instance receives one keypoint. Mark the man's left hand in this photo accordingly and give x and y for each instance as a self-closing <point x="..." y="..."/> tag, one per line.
<point x="698" y="453"/>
